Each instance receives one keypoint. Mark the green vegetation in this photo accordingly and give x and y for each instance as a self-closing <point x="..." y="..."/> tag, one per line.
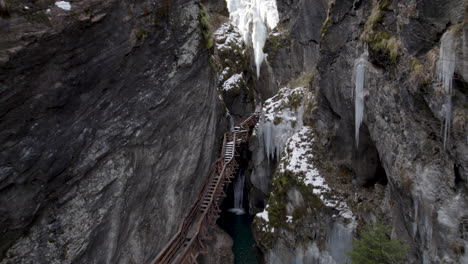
<point x="295" y="100"/>
<point x="418" y="77"/>
<point x="279" y="38"/>
<point x="385" y="42"/>
<point x="376" y="16"/>
<point x="380" y="40"/>
<point x="282" y="183"/>
<point x="416" y="66"/>
<point x="325" y="26"/>
<point x="206" y="29"/>
<point x="275" y="41"/>
<point x="303" y="80"/>
<point x="326" y="23"/>
<point x="376" y="246"/>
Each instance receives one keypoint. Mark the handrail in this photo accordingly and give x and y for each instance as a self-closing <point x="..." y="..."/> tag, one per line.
<point x="184" y="225"/>
<point x="168" y="253"/>
<point x="210" y="204"/>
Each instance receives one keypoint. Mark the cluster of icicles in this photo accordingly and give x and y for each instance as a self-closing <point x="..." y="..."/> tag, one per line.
<point x="445" y="72"/>
<point x="254" y="18"/>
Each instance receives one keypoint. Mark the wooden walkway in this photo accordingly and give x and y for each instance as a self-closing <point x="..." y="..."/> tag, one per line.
<point x="187" y="243"/>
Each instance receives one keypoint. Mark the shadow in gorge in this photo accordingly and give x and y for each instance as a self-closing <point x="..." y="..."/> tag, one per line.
<point x="235" y="218"/>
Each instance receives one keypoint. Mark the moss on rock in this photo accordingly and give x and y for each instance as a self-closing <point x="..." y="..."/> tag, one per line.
<point x="380" y="40"/>
<point x="206" y="28"/>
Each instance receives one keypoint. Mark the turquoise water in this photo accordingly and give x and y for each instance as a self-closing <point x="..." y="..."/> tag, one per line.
<point x="239" y="227"/>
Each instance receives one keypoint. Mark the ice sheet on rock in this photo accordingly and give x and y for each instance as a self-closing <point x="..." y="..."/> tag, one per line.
<point x="254" y="18"/>
<point x="297" y="158"/>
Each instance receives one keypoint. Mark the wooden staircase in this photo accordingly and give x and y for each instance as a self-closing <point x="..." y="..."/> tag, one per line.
<point x="187" y="243"/>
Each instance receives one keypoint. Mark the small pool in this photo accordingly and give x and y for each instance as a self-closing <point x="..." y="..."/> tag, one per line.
<point x="239" y="227"/>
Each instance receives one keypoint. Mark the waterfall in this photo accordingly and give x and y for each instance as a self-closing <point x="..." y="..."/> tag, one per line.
<point x="360" y="71"/>
<point x="239" y="194"/>
<point x="231" y="122"/>
<point x="254" y="18"/>
<point x="445" y="72"/>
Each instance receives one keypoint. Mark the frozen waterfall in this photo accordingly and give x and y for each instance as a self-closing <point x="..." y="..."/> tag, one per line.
<point x="275" y="136"/>
<point x="239" y="194"/>
<point x="254" y="18"/>
<point x="360" y="72"/>
<point x="279" y="120"/>
<point x="445" y="72"/>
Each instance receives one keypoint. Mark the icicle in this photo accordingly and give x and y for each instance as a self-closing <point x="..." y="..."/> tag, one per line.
<point x="253" y="18"/>
<point x="445" y="72"/>
<point x="360" y="72"/>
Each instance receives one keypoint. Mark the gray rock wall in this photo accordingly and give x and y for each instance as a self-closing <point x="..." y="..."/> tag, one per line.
<point x="402" y="122"/>
<point x="400" y="138"/>
<point x="109" y="120"/>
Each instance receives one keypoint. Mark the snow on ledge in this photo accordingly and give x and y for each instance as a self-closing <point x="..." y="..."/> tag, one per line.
<point x="297" y="157"/>
<point x="63" y="5"/>
<point x="232" y="82"/>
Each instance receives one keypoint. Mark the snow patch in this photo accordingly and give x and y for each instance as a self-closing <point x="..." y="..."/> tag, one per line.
<point x="63" y="5"/>
<point x="298" y="157"/>
<point x="264" y="215"/>
<point x="265" y="226"/>
<point x="233" y="82"/>
<point x="226" y="37"/>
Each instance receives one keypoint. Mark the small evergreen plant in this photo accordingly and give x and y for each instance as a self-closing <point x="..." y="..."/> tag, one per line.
<point x="375" y="246"/>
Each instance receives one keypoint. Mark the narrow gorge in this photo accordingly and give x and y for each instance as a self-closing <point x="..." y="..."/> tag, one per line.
<point x="234" y="131"/>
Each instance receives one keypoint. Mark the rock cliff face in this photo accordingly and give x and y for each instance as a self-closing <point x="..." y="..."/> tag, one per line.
<point x="109" y="119"/>
<point x="400" y="171"/>
<point x="111" y="113"/>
